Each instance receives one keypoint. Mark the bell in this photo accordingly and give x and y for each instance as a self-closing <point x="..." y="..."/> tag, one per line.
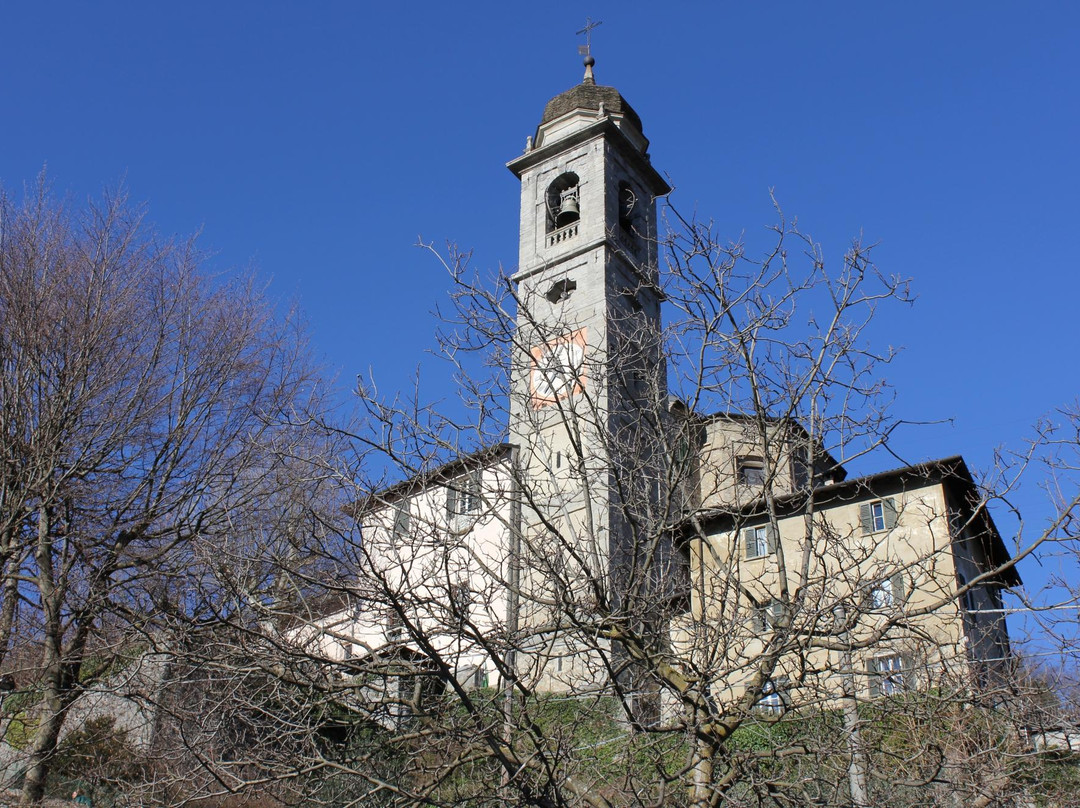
<point x="568" y="211"/>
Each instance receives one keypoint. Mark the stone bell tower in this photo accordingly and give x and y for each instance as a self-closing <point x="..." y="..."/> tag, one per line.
<point x="587" y="372"/>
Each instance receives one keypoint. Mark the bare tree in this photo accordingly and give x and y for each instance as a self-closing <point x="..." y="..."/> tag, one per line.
<point x="665" y="588"/>
<point x="145" y="411"/>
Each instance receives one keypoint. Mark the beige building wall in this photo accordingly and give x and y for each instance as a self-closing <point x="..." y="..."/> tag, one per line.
<point x="884" y="591"/>
<point x="739" y="457"/>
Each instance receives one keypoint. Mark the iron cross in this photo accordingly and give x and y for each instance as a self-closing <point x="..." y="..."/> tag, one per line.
<point x="585" y="49"/>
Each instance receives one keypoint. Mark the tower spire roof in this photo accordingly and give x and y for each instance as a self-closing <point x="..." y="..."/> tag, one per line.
<point x="591" y="96"/>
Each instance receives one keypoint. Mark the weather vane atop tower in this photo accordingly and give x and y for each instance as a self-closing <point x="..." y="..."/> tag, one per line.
<point x="586" y="49"/>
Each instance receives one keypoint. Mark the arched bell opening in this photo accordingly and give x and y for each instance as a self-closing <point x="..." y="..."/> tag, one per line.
<point x="563" y="203"/>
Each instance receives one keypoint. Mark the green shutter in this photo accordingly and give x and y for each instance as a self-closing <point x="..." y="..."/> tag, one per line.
<point x="451" y="500"/>
<point x="757" y="619"/>
<point x="401" y="520"/>
<point x="682" y="451"/>
<point x="899" y="590"/>
<point x="889" y="506"/>
<point x="867" y="519"/>
<point x="748" y="542"/>
<point x="771" y="538"/>
<point x="475" y="480"/>
<point x="875" y="678"/>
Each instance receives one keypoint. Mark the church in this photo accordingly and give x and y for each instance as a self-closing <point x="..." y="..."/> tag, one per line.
<point x="624" y="540"/>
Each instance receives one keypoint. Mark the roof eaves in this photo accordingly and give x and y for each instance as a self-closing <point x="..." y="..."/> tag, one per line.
<point x="441" y="473"/>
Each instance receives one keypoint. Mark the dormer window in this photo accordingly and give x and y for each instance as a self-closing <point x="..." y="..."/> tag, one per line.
<point x="750" y="471"/>
<point x="563" y="203"/>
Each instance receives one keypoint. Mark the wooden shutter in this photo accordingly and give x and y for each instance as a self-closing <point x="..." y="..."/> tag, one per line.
<point x="749" y="543"/>
<point x="866" y="518"/>
<point x="451" y="500"/>
<point x="401" y="520"/>
<point x="875" y="678"/>
<point x="899" y="589"/>
<point x="475" y="480"/>
<point x="757" y="619"/>
<point x="889" y="507"/>
<point x="771" y="538"/>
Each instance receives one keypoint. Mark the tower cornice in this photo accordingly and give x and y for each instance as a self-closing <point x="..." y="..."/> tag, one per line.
<point x="603" y="128"/>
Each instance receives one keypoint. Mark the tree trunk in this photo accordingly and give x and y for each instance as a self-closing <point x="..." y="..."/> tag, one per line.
<point x="701" y="788"/>
<point x="9" y="600"/>
<point x="51" y="717"/>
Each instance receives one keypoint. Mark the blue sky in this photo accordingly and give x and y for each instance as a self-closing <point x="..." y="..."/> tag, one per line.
<point x="316" y="141"/>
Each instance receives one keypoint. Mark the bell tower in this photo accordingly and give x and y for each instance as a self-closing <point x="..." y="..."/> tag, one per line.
<point x="587" y="369"/>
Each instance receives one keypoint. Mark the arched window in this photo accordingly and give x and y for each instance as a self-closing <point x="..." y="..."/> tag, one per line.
<point x="563" y="206"/>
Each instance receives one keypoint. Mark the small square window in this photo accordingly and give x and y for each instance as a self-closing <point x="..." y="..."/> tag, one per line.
<point x="771" y="702"/>
<point x="461" y="599"/>
<point x="888" y="672"/>
<point x="480" y="677"/>
<point x="395" y="626"/>
<point x="766" y="617"/>
<point x="888" y="592"/>
<point x="751" y="471"/>
<point x="463" y="494"/>
<point x="882" y="597"/>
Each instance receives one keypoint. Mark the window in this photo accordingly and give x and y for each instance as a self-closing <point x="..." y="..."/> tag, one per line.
<point x="767" y="616"/>
<point x="771" y="702"/>
<point x="888" y="592"/>
<point x="463" y="494"/>
<point x="759" y="541"/>
<point x="470" y="500"/>
<point x="401" y="520"/>
<point x="750" y="471"/>
<point x="679" y="584"/>
<point x="461" y="599"/>
<point x="561" y="290"/>
<point x="878" y="516"/>
<point x="800" y="468"/>
<point x="394" y="626"/>
<point x="969" y="596"/>
<point x="480" y="677"/>
<point x="887" y="675"/>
